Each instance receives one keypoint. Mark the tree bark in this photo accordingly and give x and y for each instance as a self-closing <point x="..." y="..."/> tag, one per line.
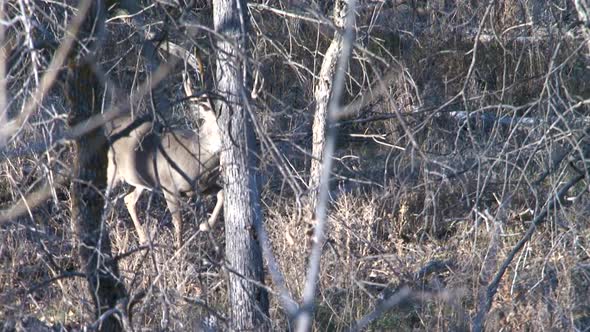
<point x="323" y="95"/>
<point x="84" y="94"/>
<point x="248" y="302"/>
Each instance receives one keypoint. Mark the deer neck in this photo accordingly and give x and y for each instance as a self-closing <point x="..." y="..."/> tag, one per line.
<point x="122" y="124"/>
<point x="210" y="133"/>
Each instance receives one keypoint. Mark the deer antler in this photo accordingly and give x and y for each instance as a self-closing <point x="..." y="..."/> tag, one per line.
<point x="193" y="60"/>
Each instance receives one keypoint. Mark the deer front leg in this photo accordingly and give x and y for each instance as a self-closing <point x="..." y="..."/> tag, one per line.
<point x="174" y="208"/>
<point x="206" y="226"/>
<point x="130" y="201"/>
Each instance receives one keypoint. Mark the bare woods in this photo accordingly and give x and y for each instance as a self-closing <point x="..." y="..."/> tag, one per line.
<point x="294" y="165"/>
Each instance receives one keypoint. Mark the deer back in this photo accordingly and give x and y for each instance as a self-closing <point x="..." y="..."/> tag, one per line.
<point x="175" y="161"/>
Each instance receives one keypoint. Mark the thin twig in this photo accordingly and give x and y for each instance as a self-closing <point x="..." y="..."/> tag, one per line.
<point x="392" y="301"/>
<point x="304" y="320"/>
<point x="479" y="319"/>
<point x="8" y="130"/>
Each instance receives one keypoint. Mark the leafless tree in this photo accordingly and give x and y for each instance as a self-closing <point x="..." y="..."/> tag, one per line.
<point x="328" y="94"/>
<point x="444" y="146"/>
<point x="248" y="301"/>
<point x="324" y="95"/>
<point x="85" y="94"/>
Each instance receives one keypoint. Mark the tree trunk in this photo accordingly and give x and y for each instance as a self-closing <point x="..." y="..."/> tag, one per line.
<point x="323" y="94"/>
<point x="84" y="94"/>
<point x="248" y="302"/>
<point x="329" y="91"/>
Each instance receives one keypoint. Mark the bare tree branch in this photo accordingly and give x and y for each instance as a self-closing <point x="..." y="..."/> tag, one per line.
<point x="9" y="129"/>
<point x="552" y="205"/>
<point x="303" y="322"/>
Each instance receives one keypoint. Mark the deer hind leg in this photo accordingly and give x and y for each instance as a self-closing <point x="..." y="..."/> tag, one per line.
<point x="206" y="226"/>
<point x="112" y="180"/>
<point x="174" y="208"/>
<point x="130" y="201"/>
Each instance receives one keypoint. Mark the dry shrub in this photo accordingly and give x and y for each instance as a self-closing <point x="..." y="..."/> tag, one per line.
<point x="436" y="204"/>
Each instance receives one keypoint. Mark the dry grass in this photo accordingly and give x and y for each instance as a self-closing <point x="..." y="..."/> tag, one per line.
<point x="426" y="200"/>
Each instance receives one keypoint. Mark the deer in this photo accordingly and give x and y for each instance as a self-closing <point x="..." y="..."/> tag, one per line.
<point x="174" y="162"/>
